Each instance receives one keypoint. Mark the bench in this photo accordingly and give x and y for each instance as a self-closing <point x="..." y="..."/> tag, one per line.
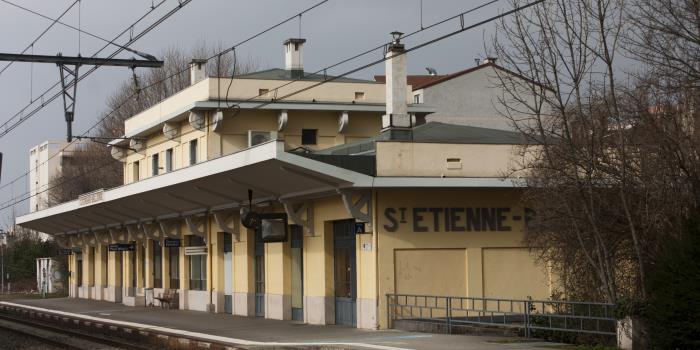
<point x="166" y="297"/>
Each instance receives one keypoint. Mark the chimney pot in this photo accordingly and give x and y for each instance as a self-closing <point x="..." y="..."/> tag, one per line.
<point x="396" y="122"/>
<point x="489" y="60"/>
<point x="293" y="56"/>
<point x="198" y="70"/>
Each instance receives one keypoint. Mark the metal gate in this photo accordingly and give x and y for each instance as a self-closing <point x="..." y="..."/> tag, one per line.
<point x="228" y="274"/>
<point x="259" y="274"/>
<point x="345" y="272"/>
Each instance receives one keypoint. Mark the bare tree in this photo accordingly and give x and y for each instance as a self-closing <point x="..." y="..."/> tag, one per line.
<point x="601" y="183"/>
<point x="90" y="166"/>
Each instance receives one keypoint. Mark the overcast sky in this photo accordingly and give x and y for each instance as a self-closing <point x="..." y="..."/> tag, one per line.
<point x="336" y="30"/>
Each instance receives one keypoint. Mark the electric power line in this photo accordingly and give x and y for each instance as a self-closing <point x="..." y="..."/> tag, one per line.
<point x="417" y="47"/>
<point x="45" y="101"/>
<point x="78" y="29"/>
<point x="161" y="81"/>
<point x="114" y="54"/>
<point x="31" y="45"/>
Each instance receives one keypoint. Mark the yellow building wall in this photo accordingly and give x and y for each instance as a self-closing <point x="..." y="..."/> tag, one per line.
<point x="424" y="254"/>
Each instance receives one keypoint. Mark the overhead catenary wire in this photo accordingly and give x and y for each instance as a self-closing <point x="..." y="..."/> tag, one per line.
<point x="7" y="128"/>
<point x="414" y="48"/>
<point x="80" y="30"/>
<point x="31" y="44"/>
<point x="231" y="49"/>
<point x="114" y="54"/>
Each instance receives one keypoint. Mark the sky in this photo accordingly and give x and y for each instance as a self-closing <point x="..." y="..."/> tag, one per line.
<point x="334" y="31"/>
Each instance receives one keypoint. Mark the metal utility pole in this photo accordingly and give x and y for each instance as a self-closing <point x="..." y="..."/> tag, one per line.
<point x="2" y="262"/>
<point x="68" y="69"/>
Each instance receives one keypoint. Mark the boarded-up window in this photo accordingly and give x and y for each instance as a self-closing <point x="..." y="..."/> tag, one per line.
<point x="431" y="272"/>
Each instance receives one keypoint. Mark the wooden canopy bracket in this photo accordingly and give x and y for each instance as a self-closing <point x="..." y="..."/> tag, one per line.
<point x="301" y="214"/>
<point x="197" y="226"/>
<point x="228" y="222"/>
<point x="355" y="207"/>
<point x="152" y="231"/>
<point x="119" y="235"/>
<point x="62" y="241"/>
<point x="170" y="228"/>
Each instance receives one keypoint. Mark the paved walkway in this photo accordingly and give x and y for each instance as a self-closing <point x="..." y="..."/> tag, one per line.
<point x="255" y="329"/>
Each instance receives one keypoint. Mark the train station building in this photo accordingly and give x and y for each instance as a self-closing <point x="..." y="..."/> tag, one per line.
<point x="313" y="207"/>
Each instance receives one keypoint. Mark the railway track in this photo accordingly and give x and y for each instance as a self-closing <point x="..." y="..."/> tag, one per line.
<point x="64" y="338"/>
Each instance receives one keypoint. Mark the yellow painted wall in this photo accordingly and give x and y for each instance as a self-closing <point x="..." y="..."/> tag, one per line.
<point x="431" y="159"/>
<point x="243" y="262"/>
<point x="476" y="263"/>
<point x="512" y="273"/>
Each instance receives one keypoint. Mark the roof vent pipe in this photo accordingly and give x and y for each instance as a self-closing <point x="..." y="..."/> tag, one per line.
<point x="396" y="122"/>
<point x="198" y="70"/>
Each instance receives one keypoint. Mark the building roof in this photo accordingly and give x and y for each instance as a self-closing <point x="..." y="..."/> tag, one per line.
<point x="438" y="133"/>
<point x="413" y="80"/>
<point x="283" y="74"/>
<point x="418" y="82"/>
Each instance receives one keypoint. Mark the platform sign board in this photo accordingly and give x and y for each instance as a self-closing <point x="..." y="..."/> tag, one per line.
<point x="122" y="247"/>
<point x="359" y="228"/>
<point x="62" y="251"/>
<point x="171" y="242"/>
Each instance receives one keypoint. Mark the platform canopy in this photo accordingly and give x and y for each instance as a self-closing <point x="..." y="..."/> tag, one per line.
<point x="209" y="186"/>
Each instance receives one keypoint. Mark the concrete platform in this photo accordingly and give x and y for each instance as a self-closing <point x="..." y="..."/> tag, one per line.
<point x="260" y="331"/>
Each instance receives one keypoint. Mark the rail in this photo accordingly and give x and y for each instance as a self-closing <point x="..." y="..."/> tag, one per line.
<point x="526" y="315"/>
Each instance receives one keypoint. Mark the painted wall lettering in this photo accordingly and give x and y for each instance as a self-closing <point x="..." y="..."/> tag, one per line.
<point x="393" y="225"/>
<point x="454" y="219"/>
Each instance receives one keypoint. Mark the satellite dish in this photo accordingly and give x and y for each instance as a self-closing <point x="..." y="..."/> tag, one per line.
<point x="249" y="218"/>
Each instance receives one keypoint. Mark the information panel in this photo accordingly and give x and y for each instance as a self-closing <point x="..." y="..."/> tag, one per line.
<point x="122" y="247"/>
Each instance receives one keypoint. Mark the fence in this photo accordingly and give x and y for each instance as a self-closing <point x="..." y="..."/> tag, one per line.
<point x="526" y="315"/>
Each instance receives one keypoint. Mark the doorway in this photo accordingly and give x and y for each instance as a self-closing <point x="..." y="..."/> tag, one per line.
<point x="345" y="272"/>
<point x="132" y="287"/>
<point x="119" y="277"/>
<point x="297" y="273"/>
<point x="259" y="274"/>
<point x="228" y="273"/>
<point x="79" y="271"/>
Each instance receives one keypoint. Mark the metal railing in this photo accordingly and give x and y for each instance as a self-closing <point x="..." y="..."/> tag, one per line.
<point x="526" y="315"/>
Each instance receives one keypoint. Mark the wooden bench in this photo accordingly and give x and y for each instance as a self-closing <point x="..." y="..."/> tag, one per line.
<point x="166" y="297"/>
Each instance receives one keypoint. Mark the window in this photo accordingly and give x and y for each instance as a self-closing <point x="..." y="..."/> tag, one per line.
<point x="308" y="136"/>
<point x="174" y="255"/>
<point x="157" y="265"/>
<point x="169" y="160"/>
<point x="198" y="266"/>
<point x="193" y="152"/>
<point x="417" y="98"/>
<point x="263" y="92"/>
<point x="135" y="171"/>
<point x="359" y="95"/>
<point x="155" y="164"/>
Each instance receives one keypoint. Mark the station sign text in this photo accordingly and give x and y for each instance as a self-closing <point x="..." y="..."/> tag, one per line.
<point x="454" y="219"/>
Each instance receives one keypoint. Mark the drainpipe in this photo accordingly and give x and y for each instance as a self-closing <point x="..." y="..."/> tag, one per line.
<point x="210" y="254"/>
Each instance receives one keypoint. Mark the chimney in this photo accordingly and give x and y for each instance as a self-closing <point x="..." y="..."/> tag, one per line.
<point x="396" y="123"/>
<point x="490" y="60"/>
<point x="198" y="70"/>
<point x="293" y="58"/>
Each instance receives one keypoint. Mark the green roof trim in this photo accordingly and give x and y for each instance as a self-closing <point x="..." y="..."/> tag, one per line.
<point x="439" y="133"/>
